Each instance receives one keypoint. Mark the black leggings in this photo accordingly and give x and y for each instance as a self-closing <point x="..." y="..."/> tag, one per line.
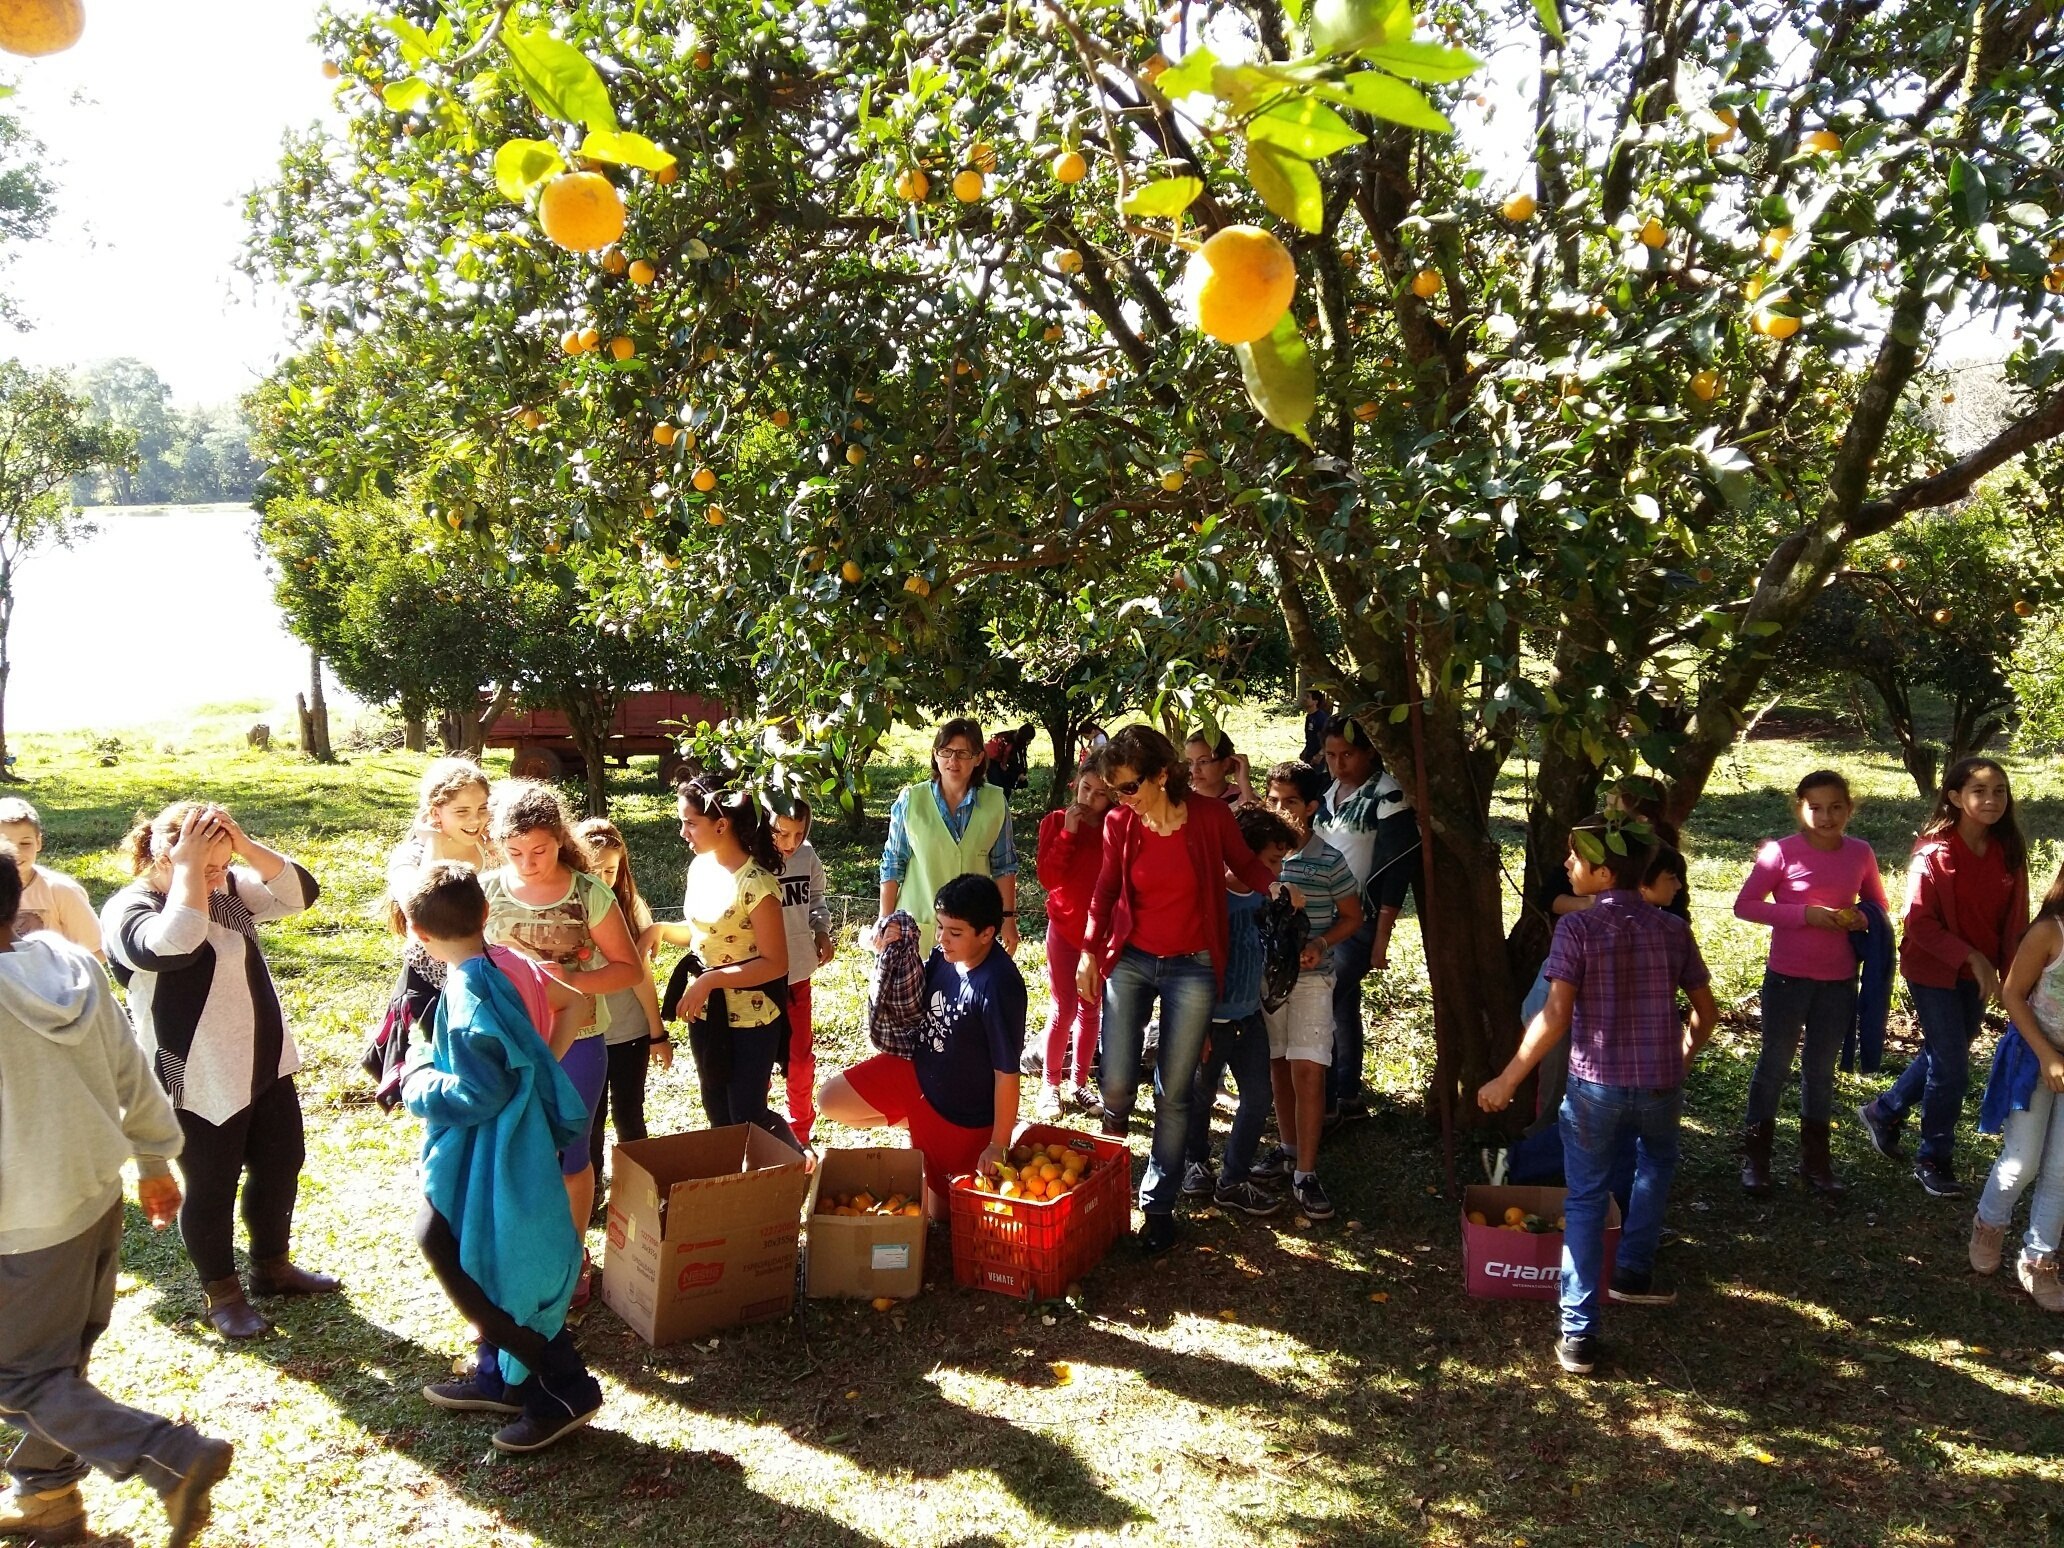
<point x="625" y="1091"/>
<point x="441" y="1251"/>
<point x="262" y="1145"/>
<point x="734" y="1068"/>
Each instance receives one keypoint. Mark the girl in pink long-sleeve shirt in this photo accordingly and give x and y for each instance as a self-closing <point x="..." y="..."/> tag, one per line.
<point x="1806" y="888"/>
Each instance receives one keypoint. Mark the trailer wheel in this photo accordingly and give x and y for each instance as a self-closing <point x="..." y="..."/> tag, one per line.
<point x="533" y="762"/>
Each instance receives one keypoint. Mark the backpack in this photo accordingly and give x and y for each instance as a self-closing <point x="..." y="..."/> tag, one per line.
<point x="1284" y="932"/>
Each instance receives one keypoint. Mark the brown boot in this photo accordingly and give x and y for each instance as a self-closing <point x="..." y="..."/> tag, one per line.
<point x="43" y="1516"/>
<point x="1755" y="1161"/>
<point x="278" y="1276"/>
<point x="231" y="1315"/>
<point x="1816" y="1165"/>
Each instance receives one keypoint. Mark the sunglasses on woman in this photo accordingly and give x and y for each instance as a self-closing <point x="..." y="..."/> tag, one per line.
<point x="1128" y="787"/>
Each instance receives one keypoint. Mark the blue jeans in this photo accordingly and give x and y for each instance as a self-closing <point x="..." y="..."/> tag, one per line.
<point x="1350" y="967"/>
<point x="1242" y="1047"/>
<point x="1186" y="987"/>
<point x="1535" y="1161"/>
<point x="1823" y="1012"/>
<point x="1595" y="1119"/>
<point x="1940" y="1073"/>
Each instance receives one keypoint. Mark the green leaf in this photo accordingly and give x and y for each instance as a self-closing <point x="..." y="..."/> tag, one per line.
<point x="1307" y="128"/>
<point x="1967" y="193"/>
<point x="1551" y="18"/>
<point x="520" y="165"/>
<point x="1385" y="96"/>
<point x="1434" y="63"/>
<point x="1280" y="378"/>
<point x="1287" y="185"/>
<point x="1348" y="26"/>
<point x="409" y="96"/>
<point x="416" y="44"/>
<point x="622" y="148"/>
<point x="1188" y="75"/>
<point x="559" y="79"/>
<point x="1165" y="197"/>
<point x="2027" y="214"/>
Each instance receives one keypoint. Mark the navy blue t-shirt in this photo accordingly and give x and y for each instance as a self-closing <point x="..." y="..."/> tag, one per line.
<point x="974" y="1030"/>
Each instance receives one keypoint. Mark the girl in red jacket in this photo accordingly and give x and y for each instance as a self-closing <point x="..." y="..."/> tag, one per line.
<point x="1966" y="907"/>
<point x="1158" y="931"/>
<point x="1071" y="851"/>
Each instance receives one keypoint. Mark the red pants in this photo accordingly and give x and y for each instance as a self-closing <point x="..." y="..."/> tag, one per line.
<point x="888" y="1084"/>
<point x="1072" y="1014"/>
<point x="802" y="1063"/>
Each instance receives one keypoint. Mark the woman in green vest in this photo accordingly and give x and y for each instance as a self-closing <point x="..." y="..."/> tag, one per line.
<point x="954" y="824"/>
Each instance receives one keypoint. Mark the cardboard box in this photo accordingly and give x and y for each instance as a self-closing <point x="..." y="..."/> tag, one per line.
<point x="1502" y="1265"/>
<point x="868" y="1255"/>
<point x="703" y="1232"/>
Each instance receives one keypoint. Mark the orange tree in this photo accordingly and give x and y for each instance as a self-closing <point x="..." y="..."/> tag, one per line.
<point x="1542" y="433"/>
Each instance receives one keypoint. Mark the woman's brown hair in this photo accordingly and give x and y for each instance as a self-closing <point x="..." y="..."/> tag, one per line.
<point x="1146" y="752"/>
<point x="600" y="834"/>
<point x="524" y="806"/>
<point x="152" y="838"/>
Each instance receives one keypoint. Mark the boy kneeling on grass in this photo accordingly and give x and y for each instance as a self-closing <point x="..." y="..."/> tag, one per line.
<point x="499" y="1110"/>
<point x="1613" y="975"/>
<point x="958" y="1091"/>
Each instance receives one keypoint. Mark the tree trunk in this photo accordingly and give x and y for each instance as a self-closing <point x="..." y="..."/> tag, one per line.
<point x="588" y="718"/>
<point x="415" y="734"/>
<point x="464" y="728"/>
<point x="1565" y="793"/>
<point x="7" y="773"/>
<point x="1060" y="731"/>
<point x="315" y="715"/>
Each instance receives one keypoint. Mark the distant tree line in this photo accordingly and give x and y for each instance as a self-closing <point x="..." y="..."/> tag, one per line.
<point x="184" y="456"/>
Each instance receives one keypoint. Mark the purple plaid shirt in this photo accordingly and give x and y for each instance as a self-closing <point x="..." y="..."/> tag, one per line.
<point x="1626" y="960"/>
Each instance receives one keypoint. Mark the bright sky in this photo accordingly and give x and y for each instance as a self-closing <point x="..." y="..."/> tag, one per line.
<point x="157" y="124"/>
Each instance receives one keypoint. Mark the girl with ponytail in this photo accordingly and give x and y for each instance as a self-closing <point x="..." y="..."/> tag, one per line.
<point x="736" y="1002"/>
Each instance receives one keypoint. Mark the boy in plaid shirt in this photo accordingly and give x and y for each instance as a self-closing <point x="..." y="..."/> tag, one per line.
<point x="1613" y="975"/>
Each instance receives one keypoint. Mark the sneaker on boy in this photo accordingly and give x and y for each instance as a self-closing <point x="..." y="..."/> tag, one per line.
<point x="1613" y="975"/>
<point x="498" y="1111"/>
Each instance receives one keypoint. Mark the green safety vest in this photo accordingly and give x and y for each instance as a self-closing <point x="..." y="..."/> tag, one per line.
<point x="936" y="856"/>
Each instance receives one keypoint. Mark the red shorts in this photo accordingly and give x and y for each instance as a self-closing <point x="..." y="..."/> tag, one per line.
<point x="888" y="1084"/>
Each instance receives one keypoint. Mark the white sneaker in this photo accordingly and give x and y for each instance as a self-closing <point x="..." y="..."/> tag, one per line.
<point x="1049" y="1104"/>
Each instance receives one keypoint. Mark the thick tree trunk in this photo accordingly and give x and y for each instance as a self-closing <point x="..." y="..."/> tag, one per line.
<point x="589" y="720"/>
<point x="1565" y="792"/>
<point x="1061" y="733"/>
<point x="415" y="734"/>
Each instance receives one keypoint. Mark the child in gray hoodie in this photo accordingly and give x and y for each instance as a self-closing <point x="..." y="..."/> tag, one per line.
<point x="77" y="1100"/>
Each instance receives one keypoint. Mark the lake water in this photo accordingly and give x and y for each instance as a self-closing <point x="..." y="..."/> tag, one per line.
<point x="162" y="610"/>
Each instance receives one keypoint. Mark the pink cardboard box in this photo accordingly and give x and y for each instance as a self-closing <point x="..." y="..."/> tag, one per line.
<point x="1506" y="1265"/>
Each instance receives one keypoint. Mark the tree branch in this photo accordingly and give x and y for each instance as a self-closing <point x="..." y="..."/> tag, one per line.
<point x="1956" y="480"/>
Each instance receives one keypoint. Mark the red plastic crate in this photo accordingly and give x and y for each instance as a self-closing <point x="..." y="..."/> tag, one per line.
<point x="1036" y="1248"/>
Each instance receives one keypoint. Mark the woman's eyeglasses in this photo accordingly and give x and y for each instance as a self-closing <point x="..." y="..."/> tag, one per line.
<point x="1127" y="787"/>
<point x="956" y="755"/>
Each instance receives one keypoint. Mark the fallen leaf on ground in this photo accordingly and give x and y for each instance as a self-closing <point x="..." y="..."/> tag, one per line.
<point x="1379" y="1296"/>
<point x="1063" y="1373"/>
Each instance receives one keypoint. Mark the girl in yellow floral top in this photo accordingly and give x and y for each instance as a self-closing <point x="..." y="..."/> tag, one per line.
<point x="731" y="920"/>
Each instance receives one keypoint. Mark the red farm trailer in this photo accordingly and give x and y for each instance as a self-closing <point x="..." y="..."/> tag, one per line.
<point x="646" y="722"/>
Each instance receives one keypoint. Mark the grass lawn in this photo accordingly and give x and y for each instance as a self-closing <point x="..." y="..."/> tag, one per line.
<point x="1830" y="1375"/>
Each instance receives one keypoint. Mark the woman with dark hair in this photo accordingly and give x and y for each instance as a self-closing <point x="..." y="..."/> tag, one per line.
<point x="183" y="940"/>
<point x="1158" y="931"/>
<point x="1966" y="910"/>
<point x="1318" y="709"/>
<point x="736" y="1006"/>
<point x="954" y="824"/>
<point x="1219" y="770"/>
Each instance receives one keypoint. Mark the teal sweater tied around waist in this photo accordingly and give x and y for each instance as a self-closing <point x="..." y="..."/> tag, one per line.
<point x="499" y="1110"/>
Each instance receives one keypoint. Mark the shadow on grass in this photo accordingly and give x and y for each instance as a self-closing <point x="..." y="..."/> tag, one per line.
<point x="572" y="1496"/>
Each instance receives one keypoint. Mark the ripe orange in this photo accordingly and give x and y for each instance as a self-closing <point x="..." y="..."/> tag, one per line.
<point x="1822" y="142"/>
<point x="1173" y="479"/>
<point x="779" y="418"/>
<point x="982" y="156"/>
<point x="664" y="435"/>
<point x="1705" y="385"/>
<point x="1155" y="67"/>
<point x="590" y="338"/>
<point x="856" y="455"/>
<point x="967" y="185"/>
<point x="1653" y="233"/>
<point x="570" y="341"/>
<point x="912" y="185"/>
<point x="2023" y="608"/>
<point x="704" y="480"/>
<point x="622" y="348"/>
<point x="614" y="261"/>
<point x="331" y="69"/>
<point x="37" y="27"/>
<point x="703" y="59"/>
<point x="1773" y="325"/>
<point x="1068" y="261"/>
<point x="1426" y="284"/>
<point x="1239" y="283"/>
<point x="1052" y="335"/>
<point x="850" y="573"/>
<point x="1365" y="412"/>
<point x="917" y="585"/>
<point x="1070" y="167"/>
<point x="530" y="419"/>
<point x="1941" y="615"/>
<point x="714" y="515"/>
<point x="581" y="211"/>
<point x="1774" y="241"/>
<point x="666" y="174"/>
<point x="1519" y="207"/>
<point x="642" y="273"/>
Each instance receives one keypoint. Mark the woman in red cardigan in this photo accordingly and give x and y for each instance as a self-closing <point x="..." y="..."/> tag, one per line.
<point x="1157" y="931"/>
<point x="1966" y="909"/>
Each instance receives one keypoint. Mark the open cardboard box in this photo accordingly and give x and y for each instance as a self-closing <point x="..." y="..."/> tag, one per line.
<point x="1504" y="1265"/>
<point x="868" y="1255"/>
<point x="703" y="1232"/>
